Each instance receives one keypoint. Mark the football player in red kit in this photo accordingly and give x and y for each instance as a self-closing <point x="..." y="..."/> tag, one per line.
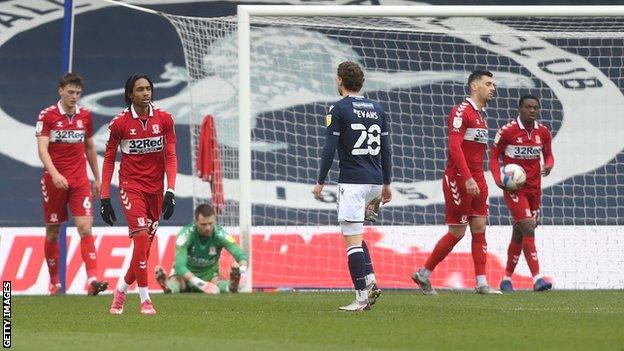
<point x="64" y="137"/>
<point x="524" y="141"/>
<point x="146" y="137"/>
<point x="464" y="185"/>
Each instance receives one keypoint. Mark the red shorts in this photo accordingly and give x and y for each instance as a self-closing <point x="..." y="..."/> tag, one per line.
<point x="142" y="210"/>
<point x="55" y="200"/>
<point x="459" y="205"/>
<point x="523" y="204"/>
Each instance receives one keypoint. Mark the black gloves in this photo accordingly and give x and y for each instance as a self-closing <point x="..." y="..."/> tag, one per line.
<point x="168" y="204"/>
<point x="108" y="214"/>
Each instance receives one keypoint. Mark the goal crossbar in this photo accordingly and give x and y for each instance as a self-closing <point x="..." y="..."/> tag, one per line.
<point x="430" y="11"/>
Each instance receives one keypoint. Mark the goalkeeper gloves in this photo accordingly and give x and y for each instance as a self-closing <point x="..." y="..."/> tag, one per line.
<point x="168" y="204"/>
<point x="242" y="283"/>
<point x="206" y="287"/>
<point x="107" y="212"/>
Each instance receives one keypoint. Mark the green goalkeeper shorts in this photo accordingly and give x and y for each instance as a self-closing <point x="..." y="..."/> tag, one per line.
<point x="205" y="276"/>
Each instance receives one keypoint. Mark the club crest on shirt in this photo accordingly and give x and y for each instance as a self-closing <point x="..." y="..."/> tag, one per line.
<point x="327" y="120"/>
<point x="79" y="124"/>
<point x="538" y="139"/>
<point x="457" y="122"/>
<point x="212" y="251"/>
<point x="155" y="129"/>
<point x="132" y="131"/>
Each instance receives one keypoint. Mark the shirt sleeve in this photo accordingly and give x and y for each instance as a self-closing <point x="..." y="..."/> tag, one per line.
<point x="229" y="243"/>
<point x="181" y="252"/>
<point x="89" y="127"/>
<point x="457" y="129"/>
<point x="549" y="159"/>
<point x="42" y="128"/>
<point x="386" y="150"/>
<point x="495" y="152"/>
<point x="171" y="158"/>
<point x="333" y="123"/>
<point x="108" y="165"/>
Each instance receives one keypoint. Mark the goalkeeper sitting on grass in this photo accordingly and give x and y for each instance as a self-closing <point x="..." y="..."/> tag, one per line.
<point x="198" y="248"/>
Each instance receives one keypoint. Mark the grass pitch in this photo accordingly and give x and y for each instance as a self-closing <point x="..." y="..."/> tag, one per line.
<point x="557" y="320"/>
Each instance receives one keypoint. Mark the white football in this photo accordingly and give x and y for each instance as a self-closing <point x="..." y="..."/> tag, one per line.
<point x="513" y="176"/>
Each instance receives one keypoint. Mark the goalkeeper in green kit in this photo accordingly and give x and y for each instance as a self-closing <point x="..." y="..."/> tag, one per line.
<point x="196" y="266"/>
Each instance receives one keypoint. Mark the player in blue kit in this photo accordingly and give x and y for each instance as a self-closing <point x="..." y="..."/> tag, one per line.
<point x="358" y="128"/>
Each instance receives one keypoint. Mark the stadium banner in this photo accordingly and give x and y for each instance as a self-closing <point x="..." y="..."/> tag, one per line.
<point x="573" y="257"/>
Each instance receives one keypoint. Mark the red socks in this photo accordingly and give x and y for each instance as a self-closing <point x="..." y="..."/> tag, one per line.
<point x="441" y="250"/>
<point x="530" y="254"/>
<point x="479" y="253"/>
<point x="513" y="254"/>
<point x="51" y="251"/>
<point x="138" y="264"/>
<point x="87" y="250"/>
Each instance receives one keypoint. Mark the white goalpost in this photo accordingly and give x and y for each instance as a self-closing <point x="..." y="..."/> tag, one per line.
<point x="267" y="77"/>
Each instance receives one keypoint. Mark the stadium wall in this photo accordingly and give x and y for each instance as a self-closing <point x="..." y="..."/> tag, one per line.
<point x="574" y="257"/>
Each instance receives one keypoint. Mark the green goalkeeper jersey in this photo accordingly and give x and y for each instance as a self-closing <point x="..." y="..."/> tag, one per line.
<point x="200" y="254"/>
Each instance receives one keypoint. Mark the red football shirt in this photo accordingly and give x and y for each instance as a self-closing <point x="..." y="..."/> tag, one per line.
<point x="68" y="134"/>
<point x="468" y="138"/>
<point x="522" y="147"/>
<point x="144" y="142"/>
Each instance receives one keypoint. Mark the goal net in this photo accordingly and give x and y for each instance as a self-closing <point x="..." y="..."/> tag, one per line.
<point x="416" y="68"/>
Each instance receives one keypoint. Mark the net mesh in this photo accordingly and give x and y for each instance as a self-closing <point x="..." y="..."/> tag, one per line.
<point x="416" y="68"/>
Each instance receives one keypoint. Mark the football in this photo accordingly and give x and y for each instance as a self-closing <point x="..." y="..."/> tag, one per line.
<point x="513" y="176"/>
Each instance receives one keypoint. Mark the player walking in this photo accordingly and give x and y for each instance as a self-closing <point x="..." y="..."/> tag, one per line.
<point x="358" y="128"/>
<point x="464" y="186"/>
<point x="523" y="142"/>
<point x="64" y="136"/>
<point x="146" y="136"/>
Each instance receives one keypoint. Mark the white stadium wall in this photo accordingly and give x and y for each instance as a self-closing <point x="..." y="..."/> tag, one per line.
<point x="573" y="257"/>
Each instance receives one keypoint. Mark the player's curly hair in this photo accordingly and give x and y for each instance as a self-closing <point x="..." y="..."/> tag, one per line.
<point x="130" y="86"/>
<point x="71" y="78"/>
<point x="351" y="75"/>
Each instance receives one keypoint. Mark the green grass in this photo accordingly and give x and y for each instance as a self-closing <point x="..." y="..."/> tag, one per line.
<point x="558" y="320"/>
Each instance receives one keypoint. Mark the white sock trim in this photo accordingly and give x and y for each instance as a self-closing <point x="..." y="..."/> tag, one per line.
<point x="425" y="273"/>
<point x="481" y="281"/>
<point x="122" y="286"/>
<point x="361" y="296"/>
<point x="143" y="294"/>
<point x="354" y="249"/>
<point x="370" y="278"/>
